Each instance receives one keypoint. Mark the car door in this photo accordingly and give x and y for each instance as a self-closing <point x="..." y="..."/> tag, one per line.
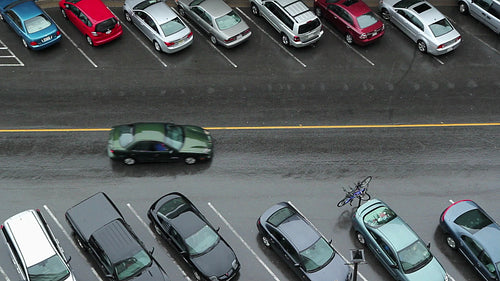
<point x="487" y="12"/>
<point x="478" y="257"/>
<point x="146" y="24"/>
<point x="202" y="18"/>
<point x="144" y="151"/>
<point x="386" y="256"/>
<point x="101" y="258"/>
<point x="78" y="18"/>
<point x="15" y="22"/>
<point x="285" y="249"/>
<point x="410" y="24"/>
<point x="342" y="20"/>
<point x="270" y="14"/>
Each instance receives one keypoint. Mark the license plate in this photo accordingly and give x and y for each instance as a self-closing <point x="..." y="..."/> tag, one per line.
<point x="239" y="36"/>
<point x="45" y="39"/>
<point x="375" y="33"/>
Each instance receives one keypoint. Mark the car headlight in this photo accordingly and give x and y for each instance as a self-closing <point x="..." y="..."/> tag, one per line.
<point x="234" y="264"/>
<point x="207" y="150"/>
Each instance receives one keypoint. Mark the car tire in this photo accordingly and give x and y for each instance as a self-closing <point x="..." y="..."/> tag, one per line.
<point x="80" y="243"/>
<point x="63" y="13"/>
<point x="196" y="275"/>
<point x="317" y="11"/>
<point x="190" y="160"/>
<point x="89" y="40"/>
<point x="266" y="241"/>
<point x="255" y="9"/>
<point x="127" y="17"/>
<point x="284" y="39"/>
<point x="181" y="11"/>
<point x="158" y="230"/>
<point x="348" y="38"/>
<point x="157" y="46"/>
<point x="25" y="44"/>
<point x="213" y="39"/>
<point x="1" y="18"/>
<point x="451" y="242"/>
<point x="463" y="8"/>
<point x="422" y="47"/>
<point x="361" y="239"/>
<point x="385" y="14"/>
<point x="129" y="161"/>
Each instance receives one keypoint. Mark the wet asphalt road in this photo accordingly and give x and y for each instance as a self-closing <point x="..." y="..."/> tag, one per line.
<point x="416" y="170"/>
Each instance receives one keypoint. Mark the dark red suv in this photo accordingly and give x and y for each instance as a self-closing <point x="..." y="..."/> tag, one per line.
<point x="93" y="19"/>
<point x="353" y="18"/>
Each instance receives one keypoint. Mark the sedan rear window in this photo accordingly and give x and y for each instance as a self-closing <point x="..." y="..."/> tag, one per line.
<point x="309" y="26"/>
<point x="172" y="27"/>
<point x="227" y="21"/>
<point x="367" y="20"/>
<point x="379" y="216"/>
<point x="473" y="220"/>
<point x="106" y="25"/>
<point x="37" y="23"/>
<point x="441" y="27"/>
<point x="280" y="216"/>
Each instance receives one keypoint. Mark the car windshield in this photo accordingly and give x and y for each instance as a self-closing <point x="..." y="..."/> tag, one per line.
<point x="227" y="21"/>
<point x="441" y="27"/>
<point x="367" y="20"/>
<point x="37" y="23"/>
<point x="131" y="266"/>
<point x="51" y="269"/>
<point x="174" y="136"/>
<point x="473" y="220"/>
<point x="202" y="241"/>
<point x="172" y="26"/>
<point x="280" y="216"/>
<point x="144" y="4"/>
<point x="379" y="216"/>
<point x="414" y="257"/>
<point x="317" y="255"/>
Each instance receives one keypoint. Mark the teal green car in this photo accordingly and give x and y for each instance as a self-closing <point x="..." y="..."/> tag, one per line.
<point x="159" y="142"/>
<point x="395" y="244"/>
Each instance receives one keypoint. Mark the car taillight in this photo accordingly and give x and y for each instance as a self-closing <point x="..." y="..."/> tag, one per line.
<point x="363" y="36"/>
<point x="1" y="226"/>
<point x="440" y="46"/>
<point x="458" y="38"/>
<point x="230" y="39"/>
<point x="296" y="38"/>
<point x="112" y="151"/>
<point x="58" y="33"/>
<point x="33" y="43"/>
<point x="190" y="34"/>
<point x="169" y="44"/>
<point x="245" y="32"/>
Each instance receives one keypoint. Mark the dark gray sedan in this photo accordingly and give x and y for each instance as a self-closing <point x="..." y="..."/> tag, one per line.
<point x="224" y="26"/>
<point x="159" y="23"/>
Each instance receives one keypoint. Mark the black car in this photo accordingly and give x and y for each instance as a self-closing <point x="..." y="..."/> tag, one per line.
<point x="177" y="220"/>
<point x="299" y="243"/>
<point x="101" y="230"/>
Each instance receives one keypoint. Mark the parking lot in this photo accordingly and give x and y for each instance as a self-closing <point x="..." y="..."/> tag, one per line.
<point x="261" y="83"/>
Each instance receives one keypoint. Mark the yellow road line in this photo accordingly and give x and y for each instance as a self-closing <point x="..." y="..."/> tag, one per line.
<point x="272" y="127"/>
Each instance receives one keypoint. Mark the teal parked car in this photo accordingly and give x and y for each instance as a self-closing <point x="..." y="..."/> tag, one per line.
<point x="159" y="142"/>
<point x="395" y="244"/>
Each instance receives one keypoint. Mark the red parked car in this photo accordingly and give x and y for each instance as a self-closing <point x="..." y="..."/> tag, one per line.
<point x="93" y="19"/>
<point x="353" y="18"/>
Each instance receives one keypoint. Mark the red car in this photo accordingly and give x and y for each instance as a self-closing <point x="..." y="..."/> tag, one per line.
<point x="353" y="18"/>
<point x="93" y="19"/>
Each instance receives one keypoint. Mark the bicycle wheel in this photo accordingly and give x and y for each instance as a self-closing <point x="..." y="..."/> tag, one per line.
<point x="365" y="196"/>
<point x="344" y="201"/>
<point x="364" y="183"/>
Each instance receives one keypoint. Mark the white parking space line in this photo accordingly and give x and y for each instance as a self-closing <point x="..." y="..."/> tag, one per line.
<point x="243" y="241"/>
<point x="209" y="43"/>
<point x="350" y="47"/>
<point x="155" y="237"/>
<point x="475" y="37"/>
<point x="276" y="42"/>
<point x="438" y="60"/>
<point x="143" y="44"/>
<point x="4" y="47"/>
<point x="4" y="275"/>
<point x="69" y="238"/>
<point x="346" y="260"/>
<point x="76" y="46"/>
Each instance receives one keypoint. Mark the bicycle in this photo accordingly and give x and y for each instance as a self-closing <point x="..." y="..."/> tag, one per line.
<point x="359" y="191"/>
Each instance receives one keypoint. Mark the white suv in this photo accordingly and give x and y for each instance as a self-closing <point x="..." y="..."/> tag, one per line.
<point x="34" y="249"/>
<point x="297" y="25"/>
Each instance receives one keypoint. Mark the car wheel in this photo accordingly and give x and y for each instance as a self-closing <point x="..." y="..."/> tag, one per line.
<point x="285" y="40"/>
<point x="213" y="39"/>
<point x="157" y="46"/>
<point x="63" y="12"/>
<point x="451" y="242"/>
<point x="463" y="8"/>
<point x="80" y="243"/>
<point x="255" y="9"/>
<point x="266" y="241"/>
<point x="385" y="14"/>
<point x="182" y="12"/>
<point x="25" y="44"/>
<point x="129" y="161"/>
<point x="89" y="40"/>
<point x="360" y="238"/>
<point x="127" y="17"/>
<point x="1" y="17"/>
<point x="196" y="275"/>
<point x="317" y="11"/>
<point x="190" y="160"/>
<point x="158" y="230"/>
<point x="348" y="38"/>
<point x="421" y="46"/>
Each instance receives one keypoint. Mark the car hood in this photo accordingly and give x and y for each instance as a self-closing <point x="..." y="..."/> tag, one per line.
<point x="335" y="270"/>
<point x="433" y="271"/>
<point x="195" y="140"/>
<point x="152" y="273"/>
<point x="217" y="261"/>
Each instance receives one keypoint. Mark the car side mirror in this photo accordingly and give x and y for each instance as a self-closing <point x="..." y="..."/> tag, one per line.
<point x="296" y="265"/>
<point x="152" y="250"/>
<point x="428" y="245"/>
<point x="68" y="259"/>
<point x="217" y="229"/>
<point x="395" y="266"/>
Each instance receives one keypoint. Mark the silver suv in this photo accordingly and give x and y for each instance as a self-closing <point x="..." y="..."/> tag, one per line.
<point x="34" y="249"/>
<point x="297" y="25"/>
<point x="485" y="11"/>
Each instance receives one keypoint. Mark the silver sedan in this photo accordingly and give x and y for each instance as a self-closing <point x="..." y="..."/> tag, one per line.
<point x="224" y="26"/>
<point x="423" y="23"/>
<point x="159" y="23"/>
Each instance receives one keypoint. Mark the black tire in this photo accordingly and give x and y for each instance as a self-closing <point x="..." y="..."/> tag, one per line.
<point x="348" y="38"/>
<point x="129" y="161"/>
<point x="422" y="47"/>
<point x="63" y="12"/>
<point x="127" y="17"/>
<point x="361" y="239"/>
<point x="213" y="39"/>
<point x="254" y="9"/>
<point x="343" y="202"/>
<point x="1" y="18"/>
<point x="317" y="11"/>
<point x="79" y="243"/>
<point x="89" y="40"/>
<point x="451" y="242"/>
<point x="284" y="39"/>
<point x="463" y="8"/>
<point x="266" y="241"/>
<point x="157" y="46"/>
<point x="25" y="44"/>
<point x="385" y="14"/>
<point x="365" y="196"/>
<point x="190" y="160"/>
<point x="181" y="11"/>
